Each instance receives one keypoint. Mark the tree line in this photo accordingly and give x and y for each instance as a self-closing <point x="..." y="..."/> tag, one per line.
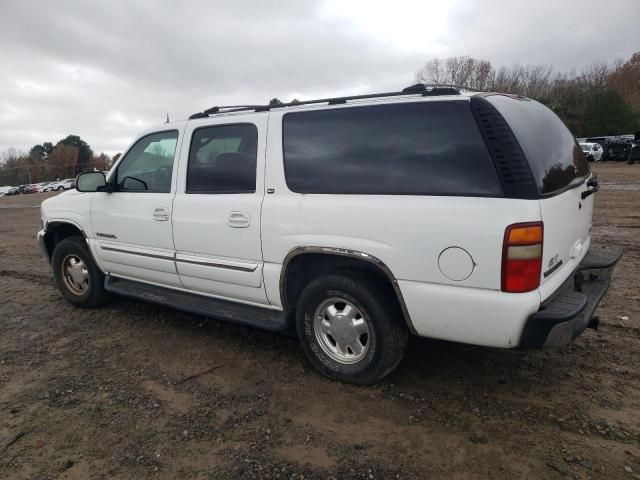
<point x="49" y="162"/>
<point x="602" y="99"/>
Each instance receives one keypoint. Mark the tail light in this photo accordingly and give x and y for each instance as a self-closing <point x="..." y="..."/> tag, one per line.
<point x="522" y="257"/>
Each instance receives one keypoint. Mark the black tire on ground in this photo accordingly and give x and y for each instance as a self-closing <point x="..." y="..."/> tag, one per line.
<point x="70" y="250"/>
<point x="60" y="188"/>
<point x="388" y="335"/>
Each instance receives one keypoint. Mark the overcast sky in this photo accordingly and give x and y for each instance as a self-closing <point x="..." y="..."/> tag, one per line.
<point x="105" y="70"/>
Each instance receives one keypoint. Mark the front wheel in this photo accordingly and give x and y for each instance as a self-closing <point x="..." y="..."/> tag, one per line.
<point x="78" y="278"/>
<point x="350" y="329"/>
<point x="60" y="188"/>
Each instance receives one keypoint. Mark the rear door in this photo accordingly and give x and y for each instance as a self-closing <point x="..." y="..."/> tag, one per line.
<point x="216" y="211"/>
<point x="560" y="170"/>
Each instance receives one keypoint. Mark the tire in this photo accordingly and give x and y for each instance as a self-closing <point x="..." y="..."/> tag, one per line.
<point x="385" y="340"/>
<point x="60" y="188"/>
<point x="72" y="264"/>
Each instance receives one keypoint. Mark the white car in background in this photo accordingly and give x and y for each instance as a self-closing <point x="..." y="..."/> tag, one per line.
<point x="593" y="151"/>
<point x="65" y="184"/>
<point x="43" y="186"/>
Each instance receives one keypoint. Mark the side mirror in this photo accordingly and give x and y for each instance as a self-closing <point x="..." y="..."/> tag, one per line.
<point x="90" y="181"/>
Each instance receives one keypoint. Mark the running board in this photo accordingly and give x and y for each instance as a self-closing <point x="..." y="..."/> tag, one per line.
<point x="249" y="315"/>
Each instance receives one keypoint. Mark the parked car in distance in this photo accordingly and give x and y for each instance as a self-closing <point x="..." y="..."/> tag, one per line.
<point x="356" y="221"/>
<point x="65" y="184"/>
<point x="600" y="140"/>
<point x="42" y="186"/>
<point x="593" y="151"/>
<point x="13" y="191"/>
<point x="634" y="154"/>
<point x="28" y="188"/>
<point x="618" y="148"/>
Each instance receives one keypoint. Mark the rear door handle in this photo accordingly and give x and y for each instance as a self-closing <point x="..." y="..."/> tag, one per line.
<point x="160" y="214"/>
<point x="239" y="220"/>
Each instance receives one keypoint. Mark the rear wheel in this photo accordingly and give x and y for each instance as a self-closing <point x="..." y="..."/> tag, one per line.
<point x="77" y="277"/>
<point x="350" y="329"/>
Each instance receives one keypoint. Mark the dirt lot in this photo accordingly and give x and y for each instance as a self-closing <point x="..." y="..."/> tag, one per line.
<point x="134" y="390"/>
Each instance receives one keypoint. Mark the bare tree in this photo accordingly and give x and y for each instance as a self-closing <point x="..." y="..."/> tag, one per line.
<point x="465" y="71"/>
<point x="625" y="78"/>
<point x="598" y="100"/>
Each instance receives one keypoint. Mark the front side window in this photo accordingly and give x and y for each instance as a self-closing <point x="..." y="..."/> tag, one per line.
<point x="148" y="165"/>
<point x="222" y="159"/>
<point x="425" y="148"/>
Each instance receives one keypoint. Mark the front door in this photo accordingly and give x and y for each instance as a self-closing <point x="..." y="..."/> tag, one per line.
<point x="132" y="225"/>
<point x="216" y="217"/>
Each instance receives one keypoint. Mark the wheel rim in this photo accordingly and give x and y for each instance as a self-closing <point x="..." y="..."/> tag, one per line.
<point x="75" y="274"/>
<point x="341" y="330"/>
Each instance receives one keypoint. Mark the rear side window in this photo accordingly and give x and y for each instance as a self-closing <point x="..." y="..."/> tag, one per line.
<point x="426" y="148"/>
<point x="222" y="159"/>
<point x="556" y="160"/>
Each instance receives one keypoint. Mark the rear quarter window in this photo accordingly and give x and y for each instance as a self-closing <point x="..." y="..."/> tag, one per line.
<point x="426" y="148"/>
<point x="556" y="160"/>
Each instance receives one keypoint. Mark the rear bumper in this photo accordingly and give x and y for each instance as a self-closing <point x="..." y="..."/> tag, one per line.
<point x="569" y="311"/>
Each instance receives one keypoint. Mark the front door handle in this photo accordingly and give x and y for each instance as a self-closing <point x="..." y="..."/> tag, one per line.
<point x="239" y="220"/>
<point x="160" y="214"/>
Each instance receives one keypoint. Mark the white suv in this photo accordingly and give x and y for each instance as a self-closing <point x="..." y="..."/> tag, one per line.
<point x="593" y="151"/>
<point x="355" y="220"/>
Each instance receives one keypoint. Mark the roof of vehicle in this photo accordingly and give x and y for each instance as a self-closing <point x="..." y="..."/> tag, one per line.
<point x="414" y="93"/>
<point x="417" y="90"/>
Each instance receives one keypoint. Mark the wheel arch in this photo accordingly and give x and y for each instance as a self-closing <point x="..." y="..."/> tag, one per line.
<point x="306" y="262"/>
<point x="58" y="230"/>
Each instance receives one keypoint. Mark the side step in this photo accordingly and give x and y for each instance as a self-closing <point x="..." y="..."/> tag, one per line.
<point x="249" y="315"/>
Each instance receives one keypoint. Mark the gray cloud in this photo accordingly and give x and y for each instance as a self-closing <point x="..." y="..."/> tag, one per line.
<point x="105" y="70"/>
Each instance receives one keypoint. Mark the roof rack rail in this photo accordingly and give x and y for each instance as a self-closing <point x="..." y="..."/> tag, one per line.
<point x="426" y="90"/>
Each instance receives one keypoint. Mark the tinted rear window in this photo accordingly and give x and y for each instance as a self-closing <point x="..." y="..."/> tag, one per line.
<point x="427" y="148"/>
<point x="555" y="158"/>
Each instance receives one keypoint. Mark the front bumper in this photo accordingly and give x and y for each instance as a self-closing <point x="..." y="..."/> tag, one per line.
<point x="569" y="311"/>
<point x="42" y="245"/>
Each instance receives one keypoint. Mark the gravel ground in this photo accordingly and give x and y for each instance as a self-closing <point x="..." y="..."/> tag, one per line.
<point x="134" y="390"/>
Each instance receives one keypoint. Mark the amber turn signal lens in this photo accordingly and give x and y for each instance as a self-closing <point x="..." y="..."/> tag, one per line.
<point x="525" y="235"/>
<point x="522" y="257"/>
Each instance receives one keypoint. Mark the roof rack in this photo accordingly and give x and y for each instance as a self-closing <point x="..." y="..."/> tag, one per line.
<point x="426" y="90"/>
